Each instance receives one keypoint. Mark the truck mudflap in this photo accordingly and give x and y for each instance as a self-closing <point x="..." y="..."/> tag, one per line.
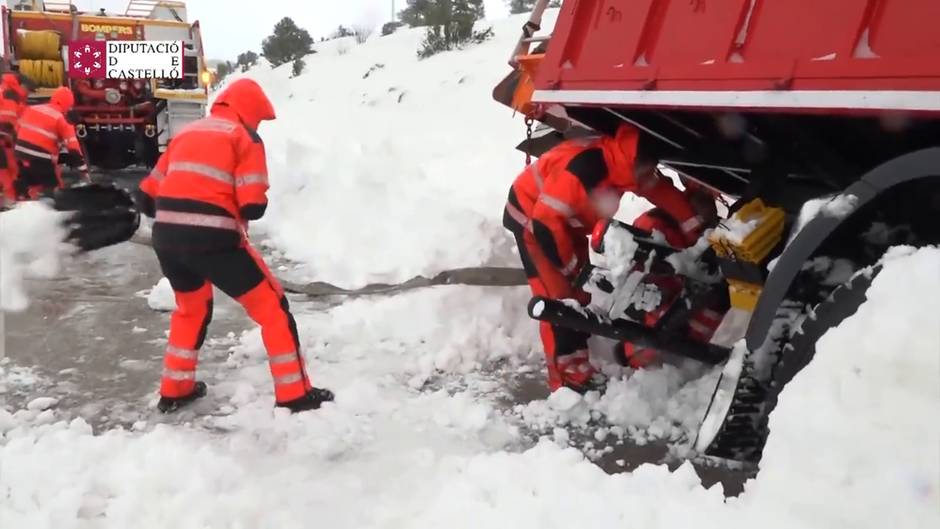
<point x="569" y="314"/>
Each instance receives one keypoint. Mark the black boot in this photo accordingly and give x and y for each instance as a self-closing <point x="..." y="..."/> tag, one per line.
<point x="311" y="401"/>
<point x="171" y="404"/>
<point x="597" y="382"/>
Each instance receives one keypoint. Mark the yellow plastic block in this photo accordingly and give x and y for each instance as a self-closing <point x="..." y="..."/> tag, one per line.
<point x="755" y="247"/>
<point x="744" y="296"/>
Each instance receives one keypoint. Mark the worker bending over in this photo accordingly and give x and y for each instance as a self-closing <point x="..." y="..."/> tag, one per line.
<point x="211" y="181"/>
<point x="42" y="133"/>
<point x="552" y="208"/>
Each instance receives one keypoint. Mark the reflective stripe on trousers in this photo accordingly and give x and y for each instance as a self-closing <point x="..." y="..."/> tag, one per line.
<point x="571" y="266"/>
<point x="33" y="152"/>
<point x="179" y="374"/>
<point x="185" y="354"/>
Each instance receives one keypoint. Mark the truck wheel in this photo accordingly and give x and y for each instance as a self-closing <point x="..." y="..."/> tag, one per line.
<point x="735" y="426"/>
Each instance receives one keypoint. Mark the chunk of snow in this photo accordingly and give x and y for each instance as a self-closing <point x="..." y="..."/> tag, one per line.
<point x="31" y="244"/>
<point x="161" y="296"/>
<point x="735" y="230"/>
<point x="840" y="206"/>
<point x="837" y="206"/>
<point x="619" y="250"/>
<point x="41" y="403"/>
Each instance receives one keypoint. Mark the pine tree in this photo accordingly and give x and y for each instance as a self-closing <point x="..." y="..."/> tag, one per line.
<point x="287" y="43"/>
<point x="223" y="70"/>
<point x="418" y="13"/>
<point x="449" y="22"/>
<point x="297" y="67"/>
<point x="246" y="60"/>
<point x="463" y="15"/>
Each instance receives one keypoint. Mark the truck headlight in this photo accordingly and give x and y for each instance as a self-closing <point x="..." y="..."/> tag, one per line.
<point x="112" y="96"/>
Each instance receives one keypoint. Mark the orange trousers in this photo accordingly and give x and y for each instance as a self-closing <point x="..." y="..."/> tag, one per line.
<point x="546" y="280"/>
<point x="8" y="173"/>
<point x="241" y="274"/>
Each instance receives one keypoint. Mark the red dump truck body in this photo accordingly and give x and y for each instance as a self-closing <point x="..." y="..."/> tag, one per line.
<point x="835" y="56"/>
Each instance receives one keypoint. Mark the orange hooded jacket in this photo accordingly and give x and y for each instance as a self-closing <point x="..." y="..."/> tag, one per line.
<point x="213" y="176"/>
<point x="12" y="104"/>
<point x="43" y="129"/>
<point x="552" y="197"/>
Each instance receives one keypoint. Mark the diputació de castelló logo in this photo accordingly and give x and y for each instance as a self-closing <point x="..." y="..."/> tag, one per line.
<point x="126" y="59"/>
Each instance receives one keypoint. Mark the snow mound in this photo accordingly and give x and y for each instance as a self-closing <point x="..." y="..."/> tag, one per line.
<point x="662" y="403"/>
<point x="161" y="296"/>
<point x="384" y="167"/>
<point x="31" y="243"/>
<point x="856" y="423"/>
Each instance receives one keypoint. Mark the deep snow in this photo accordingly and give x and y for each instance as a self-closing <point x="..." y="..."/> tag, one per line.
<point x="406" y="169"/>
<point x="367" y="188"/>
<point x="853" y="441"/>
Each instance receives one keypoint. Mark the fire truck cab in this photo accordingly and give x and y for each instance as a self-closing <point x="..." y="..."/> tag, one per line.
<point x="121" y="122"/>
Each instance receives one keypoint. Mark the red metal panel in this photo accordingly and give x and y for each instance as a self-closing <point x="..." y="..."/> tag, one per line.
<point x="907" y="28"/>
<point x="744" y="45"/>
<point x="792" y="30"/>
<point x="694" y="32"/>
<point x="602" y="35"/>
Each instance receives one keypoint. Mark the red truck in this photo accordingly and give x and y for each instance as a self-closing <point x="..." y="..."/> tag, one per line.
<point x="121" y="122"/>
<point x="818" y="123"/>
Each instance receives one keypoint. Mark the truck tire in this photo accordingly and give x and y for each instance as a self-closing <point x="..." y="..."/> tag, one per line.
<point x="744" y="430"/>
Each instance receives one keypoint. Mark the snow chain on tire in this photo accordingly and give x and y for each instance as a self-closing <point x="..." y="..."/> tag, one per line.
<point x="744" y="432"/>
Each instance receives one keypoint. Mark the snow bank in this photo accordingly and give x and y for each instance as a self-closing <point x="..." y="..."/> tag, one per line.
<point x="661" y="403"/>
<point x="873" y="389"/>
<point x="384" y="167"/>
<point x="31" y="238"/>
<point x="852" y="445"/>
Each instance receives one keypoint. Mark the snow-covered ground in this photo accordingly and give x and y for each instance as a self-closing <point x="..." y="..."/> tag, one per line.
<point x="853" y="439"/>
<point x="404" y="172"/>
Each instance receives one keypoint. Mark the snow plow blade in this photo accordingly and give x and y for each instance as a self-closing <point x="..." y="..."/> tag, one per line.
<point x="583" y="320"/>
<point x="102" y="215"/>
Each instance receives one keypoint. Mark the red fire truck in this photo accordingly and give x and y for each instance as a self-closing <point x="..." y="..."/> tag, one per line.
<point x="120" y="122"/>
<point x="817" y="122"/>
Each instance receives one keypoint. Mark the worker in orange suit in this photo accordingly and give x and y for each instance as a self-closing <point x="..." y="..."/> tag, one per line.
<point x="12" y="103"/>
<point x="205" y="188"/>
<point x="42" y="133"/>
<point x="552" y="208"/>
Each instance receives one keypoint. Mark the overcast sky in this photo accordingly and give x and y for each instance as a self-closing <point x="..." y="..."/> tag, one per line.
<point x="231" y="26"/>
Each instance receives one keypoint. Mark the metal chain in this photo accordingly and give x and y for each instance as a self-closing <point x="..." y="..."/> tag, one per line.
<point x="528" y="139"/>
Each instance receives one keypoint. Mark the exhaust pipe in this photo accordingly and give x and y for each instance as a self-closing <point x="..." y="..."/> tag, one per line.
<point x="583" y="320"/>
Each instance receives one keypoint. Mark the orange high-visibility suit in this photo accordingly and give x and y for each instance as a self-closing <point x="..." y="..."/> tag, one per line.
<point x="12" y="103"/>
<point x="551" y="211"/>
<point x="43" y="130"/>
<point x="204" y="189"/>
